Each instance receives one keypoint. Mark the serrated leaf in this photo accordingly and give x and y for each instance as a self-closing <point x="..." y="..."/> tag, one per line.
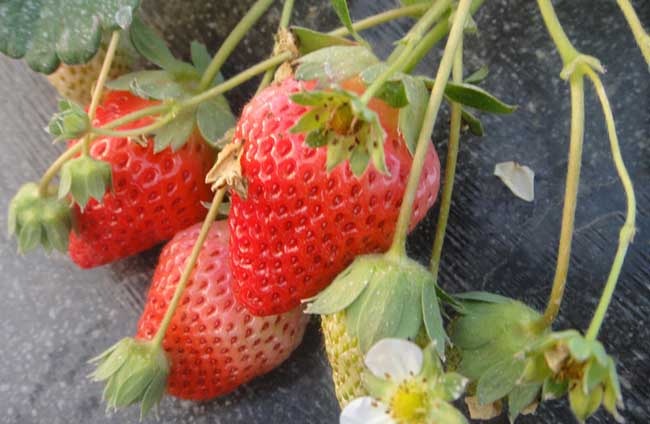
<point x="175" y="133"/>
<point x="432" y="317"/>
<point x="200" y="56"/>
<point x="155" y="50"/>
<point x="473" y="123"/>
<point x="214" y="118"/>
<point x="478" y="76"/>
<point x="521" y="397"/>
<point x="412" y="116"/>
<point x="477" y="98"/>
<point x="48" y="32"/>
<point x="334" y="64"/>
<point x="499" y="380"/>
<point x="310" y="40"/>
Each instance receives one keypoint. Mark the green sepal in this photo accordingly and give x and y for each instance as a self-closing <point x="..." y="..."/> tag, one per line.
<point x="521" y="397"/>
<point x="553" y="389"/>
<point x="155" y="50"/>
<point x="432" y="317"/>
<point x="378" y="388"/>
<point x="349" y="129"/>
<point x="134" y="371"/>
<point x="345" y="288"/>
<point x="48" y="32"/>
<point x="443" y="412"/>
<point x="39" y="220"/>
<point x="214" y="118"/>
<point x="310" y="40"/>
<point x="453" y="386"/>
<point x="334" y="64"/>
<point x="85" y="178"/>
<point x="499" y="380"/>
<point x="584" y="404"/>
<point x="477" y="98"/>
<point x="70" y="122"/>
<point x="342" y="11"/>
<point x="479" y="296"/>
<point x="155" y="84"/>
<point x="478" y="76"/>
<point x="174" y="134"/>
<point x="474" y="124"/>
<point x="200" y="55"/>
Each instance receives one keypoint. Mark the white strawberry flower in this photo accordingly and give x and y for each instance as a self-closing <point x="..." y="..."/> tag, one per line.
<point x="406" y="385"/>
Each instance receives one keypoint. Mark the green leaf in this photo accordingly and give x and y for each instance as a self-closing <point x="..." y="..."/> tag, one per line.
<point x="309" y="121"/>
<point x="499" y="380"/>
<point x="200" y="56"/>
<point x="310" y="40"/>
<point x="48" y="32"/>
<point x="214" y="118"/>
<point x="345" y="288"/>
<point x="432" y="317"/>
<point x="475" y="97"/>
<point x="412" y="116"/>
<point x="554" y="389"/>
<point x="342" y="11"/>
<point x="479" y="296"/>
<point x="155" y="50"/>
<point x="175" y="133"/>
<point x="392" y="92"/>
<point x="520" y="398"/>
<point x="477" y="77"/>
<point x="474" y="124"/>
<point x="334" y="64"/>
<point x="158" y="85"/>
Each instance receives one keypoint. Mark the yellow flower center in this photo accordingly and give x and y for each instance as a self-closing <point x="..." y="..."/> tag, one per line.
<point x="409" y="403"/>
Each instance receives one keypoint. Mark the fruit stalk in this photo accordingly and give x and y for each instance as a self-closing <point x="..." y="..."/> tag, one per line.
<point x="640" y="35"/>
<point x="229" y="44"/>
<point x="627" y="231"/>
<point x="450" y="168"/>
<point x="382" y="17"/>
<point x="398" y="247"/>
<point x="287" y="9"/>
<point x="189" y="267"/>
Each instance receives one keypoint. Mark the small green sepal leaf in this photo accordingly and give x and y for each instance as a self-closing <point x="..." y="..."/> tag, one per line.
<point x="334" y="64"/>
<point x="499" y="380"/>
<point x="521" y="398"/>
<point x="214" y="118"/>
<point x="39" y="220"/>
<point x="310" y="40"/>
<point x="135" y="371"/>
<point x="473" y="123"/>
<point x="156" y="84"/>
<point x="85" y="178"/>
<point x="477" y="98"/>
<point x="175" y="134"/>
<point x="70" y="122"/>
<point x="48" y="32"/>
<point x="200" y="56"/>
<point x="342" y="11"/>
<point x="478" y="76"/>
<point x="432" y="317"/>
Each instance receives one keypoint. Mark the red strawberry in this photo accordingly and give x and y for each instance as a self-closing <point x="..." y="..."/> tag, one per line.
<point x="213" y="342"/>
<point x="153" y="195"/>
<point x="299" y="227"/>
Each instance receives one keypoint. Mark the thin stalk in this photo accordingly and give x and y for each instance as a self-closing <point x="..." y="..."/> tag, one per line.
<point x="450" y="168"/>
<point x="640" y="35"/>
<point x="382" y="18"/>
<point x="287" y="9"/>
<point x="398" y="248"/>
<point x="412" y="39"/>
<point x="135" y="131"/>
<point x="189" y="266"/>
<point x="229" y="44"/>
<point x="627" y="231"/>
<point x="564" y="46"/>
<point x="134" y="116"/>
<point x="570" y="199"/>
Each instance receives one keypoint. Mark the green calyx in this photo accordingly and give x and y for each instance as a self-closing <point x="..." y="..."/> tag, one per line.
<point x="492" y="332"/>
<point x="339" y="120"/>
<point x="85" y="178"/>
<point x="384" y="297"/>
<point x="424" y="397"/>
<point x="70" y="122"/>
<point x="39" y="220"/>
<point x="566" y="362"/>
<point x="135" y="371"/>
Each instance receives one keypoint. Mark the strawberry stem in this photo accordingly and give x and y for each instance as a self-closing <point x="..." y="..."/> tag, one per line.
<point x="398" y="248"/>
<point x="640" y="35"/>
<point x="627" y="231"/>
<point x="414" y="36"/>
<point x="189" y="267"/>
<point x="229" y="44"/>
<point x="287" y="9"/>
<point x="450" y="168"/>
<point x="380" y="18"/>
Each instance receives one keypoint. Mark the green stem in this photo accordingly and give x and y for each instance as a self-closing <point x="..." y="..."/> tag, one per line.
<point x="564" y="46"/>
<point x="159" y="123"/>
<point x="640" y="35"/>
<point x="232" y="40"/>
<point x="398" y="248"/>
<point x="413" y="38"/>
<point x="287" y="8"/>
<point x="189" y="266"/>
<point x="51" y="172"/>
<point x="381" y="18"/>
<point x="432" y="38"/>
<point x="134" y="116"/>
<point x="450" y="168"/>
<point x="570" y="199"/>
<point x="627" y="231"/>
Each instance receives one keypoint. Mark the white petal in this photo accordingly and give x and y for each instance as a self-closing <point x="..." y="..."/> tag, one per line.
<point x="520" y="179"/>
<point x="365" y="410"/>
<point x="396" y="359"/>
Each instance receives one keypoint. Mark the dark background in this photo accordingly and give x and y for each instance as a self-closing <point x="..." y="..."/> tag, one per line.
<point x="54" y="317"/>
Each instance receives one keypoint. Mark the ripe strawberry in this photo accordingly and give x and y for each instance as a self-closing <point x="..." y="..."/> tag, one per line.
<point x="154" y="195"/>
<point x="300" y="226"/>
<point x="75" y="82"/>
<point x="213" y="342"/>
